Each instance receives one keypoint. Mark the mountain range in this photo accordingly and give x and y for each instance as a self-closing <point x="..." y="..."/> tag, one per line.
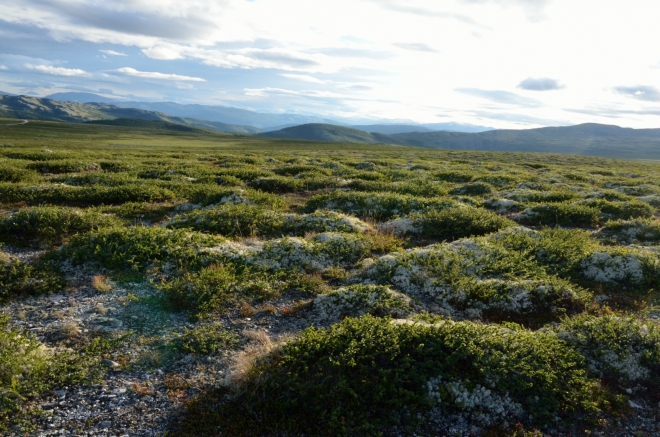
<point x="584" y="139"/>
<point x="34" y="108"/>
<point x="260" y="120"/>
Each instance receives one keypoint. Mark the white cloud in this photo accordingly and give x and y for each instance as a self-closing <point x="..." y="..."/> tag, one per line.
<point x="303" y="78"/>
<point x="155" y="75"/>
<point x="2" y="67"/>
<point x="164" y="52"/>
<point x="113" y="53"/>
<point x="57" y="71"/>
<point x="415" y="53"/>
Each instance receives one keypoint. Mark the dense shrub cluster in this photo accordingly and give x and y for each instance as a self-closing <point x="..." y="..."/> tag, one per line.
<point x="364" y="376"/>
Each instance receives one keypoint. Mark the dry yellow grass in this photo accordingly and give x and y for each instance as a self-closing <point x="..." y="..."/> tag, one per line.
<point x="101" y="283"/>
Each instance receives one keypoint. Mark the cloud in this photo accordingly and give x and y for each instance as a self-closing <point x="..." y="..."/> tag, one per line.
<point x="163" y="19"/>
<point x="112" y="53"/>
<point x="533" y="8"/>
<point x="164" y="52"/>
<point x="57" y="71"/>
<point x="2" y="67"/>
<point x="499" y="96"/>
<point x="160" y="76"/>
<point x="417" y="47"/>
<point x="402" y="6"/>
<point x="303" y="78"/>
<point x="645" y="93"/>
<point x="540" y="84"/>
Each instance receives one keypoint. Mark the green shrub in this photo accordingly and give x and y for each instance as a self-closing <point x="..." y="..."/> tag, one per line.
<point x="421" y="187"/>
<point x="624" y="349"/>
<point x="551" y="196"/>
<point x="564" y="214"/>
<point x="28" y="368"/>
<point x="278" y="184"/>
<point x="204" y="339"/>
<point x="630" y="231"/>
<point x="214" y="194"/>
<point x="559" y="251"/>
<point x="472" y="189"/>
<point x="50" y="225"/>
<point x="454" y="176"/>
<point x="14" y="173"/>
<point x="64" y="166"/>
<point x="138" y="247"/>
<point x="95" y="195"/>
<point x="365" y="376"/>
<point x="19" y="279"/>
<point x="217" y="287"/>
<point x="245" y="174"/>
<point x="376" y="205"/>
<point x="459" y="222"/>
<point x="294" y="170"/>
<point x="238" y="220"/>
<point x="621" y="210"/>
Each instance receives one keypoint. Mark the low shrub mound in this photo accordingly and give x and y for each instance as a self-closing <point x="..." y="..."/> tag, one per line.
<point x="204" y="339"/>
<point x="475" y="279"/>
<point x="620" y="349"/>
<point x="472" y="189"/>
<point x="380" y="206"/>
<point x="278" y="184"/>
<point x="50" y="225"/>
<point x="216" y="195"/>
<point x="20" y="279"/>
<point x="82" y="196"/>
<point x="563" y="214"/>
<point x="139" y="247"/>
<point x="14" y="173"/>
<point x="217" y="287"/>
<point x="613" y="210"/>
<point x="232" y="220"/>
<point x="367" y="376"/>
<point x="635" y="231"/>
<point x="359" y="300"/>
<point x="459" y="222"/>
<point x="419" y="187"/>
<point x="64" y="166"/>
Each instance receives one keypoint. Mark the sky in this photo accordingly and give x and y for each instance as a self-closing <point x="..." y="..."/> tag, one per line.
<point x="496" y="63"/>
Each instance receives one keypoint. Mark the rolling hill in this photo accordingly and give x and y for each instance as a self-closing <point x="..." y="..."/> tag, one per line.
<point x="34" y="108"/>
<point x="324" y="132"/>
<point x="148" y="124"/>
<point x="390" y="129"/>
<point x="584" y="139"/>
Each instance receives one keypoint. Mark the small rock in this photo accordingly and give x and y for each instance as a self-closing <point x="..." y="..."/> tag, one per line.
<point x="634" y="405"/>
<point x="105" y="424"/>
<point x="56" y="298"/>
<point x="60" y="393"/>
<point x="110" y="363"/>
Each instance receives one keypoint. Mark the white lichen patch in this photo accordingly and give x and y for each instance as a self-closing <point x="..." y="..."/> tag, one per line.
<point x="502" y="205"/>
<point x="358" y="300"/>
<point x="613" y="267"/>
<point x="479" y="405"/>
<point x="401" y="226"/>
<point x="325" y="221"/>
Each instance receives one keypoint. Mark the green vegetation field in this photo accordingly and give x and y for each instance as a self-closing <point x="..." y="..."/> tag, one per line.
<point x="355" y="290"/>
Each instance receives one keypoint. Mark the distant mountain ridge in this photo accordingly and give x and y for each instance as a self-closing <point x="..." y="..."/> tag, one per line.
<point x="585" y="139"/>
<point x="34" y="108"/>
<point x="263" y="121"/>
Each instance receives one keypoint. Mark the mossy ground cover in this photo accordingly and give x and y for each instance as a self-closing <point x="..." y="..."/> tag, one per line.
<point x="533" y="278"/>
